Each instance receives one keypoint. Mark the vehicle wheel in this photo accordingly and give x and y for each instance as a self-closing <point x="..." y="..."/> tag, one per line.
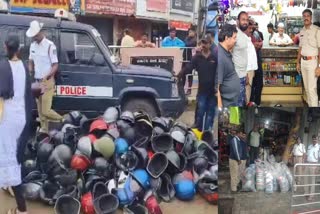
<point x="144" y="105"/>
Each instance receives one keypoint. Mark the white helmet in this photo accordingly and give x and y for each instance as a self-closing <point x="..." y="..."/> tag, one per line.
<point x="84" y="146"/>
<point x="178" y="136"/>
<point x="111" y="115"/>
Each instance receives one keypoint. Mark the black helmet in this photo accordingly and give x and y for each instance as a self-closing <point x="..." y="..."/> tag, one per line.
<point x="142" y="155"/>
<point x="57" y="137"/>
<point x="142" y="143"/>
<point x="72" y="191"/>
<point x="135" y="209"/>
<point x="31" y="191"/>
<point x="55" y="167"/>
<point x="62" y="153"/>
<point x="207" y="136"/>
<point x="66" y="204"/>
<point x="179" y="126"/>
<point x="99" y="189"/>
<point x="73" y="118"/>
<point x="106" y="204"/>
<point x="44" y="151"/>
<point x="122" y="124"/>
<point x="160" y="123"/>
<point x="48" y="192"/>
<point x="208" y="188"/>
<point x="205" y="149"/>
<point x="155" y="184"/>
<point x="200" y="164"/>
<point x="128" y="134"/>
<point x="157" y="131"/>
<point x="127" y="161"/>
<point x="157" y="165"/>
<point x="166" y="191"/>
<point x="169" y="122"/>
<point x="141" y="116"/>
<point x="183" y="162"/>
<point x="91" y="178"/>
<point x="174" y="161"/>
<point x="35" y="176"/>
<point x="162" y="143"/>
<point x="143" y="128"/>
<point x="127" y="116"/>
<point x="68" y="178"/>
<point x="100" y="164"/>
<point x="188" y="147"/>
<point x="28" y="166"/>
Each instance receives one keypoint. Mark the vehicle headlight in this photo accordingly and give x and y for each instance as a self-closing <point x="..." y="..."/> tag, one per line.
<point x="174" y="90"/>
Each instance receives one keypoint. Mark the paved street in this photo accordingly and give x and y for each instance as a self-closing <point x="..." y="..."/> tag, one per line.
<point x="258" y="202"/>
<point x="198" y="205"/>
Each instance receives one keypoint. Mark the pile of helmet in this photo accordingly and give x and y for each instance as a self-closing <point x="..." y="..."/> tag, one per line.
<point x="119" y="160"/>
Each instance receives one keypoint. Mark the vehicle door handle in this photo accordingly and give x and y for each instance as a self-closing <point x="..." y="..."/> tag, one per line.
<point x="64" y="76"/>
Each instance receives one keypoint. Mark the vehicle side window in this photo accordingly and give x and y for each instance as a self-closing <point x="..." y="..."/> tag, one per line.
<point x="79" y="49"/>
<point x="24" y="40"/>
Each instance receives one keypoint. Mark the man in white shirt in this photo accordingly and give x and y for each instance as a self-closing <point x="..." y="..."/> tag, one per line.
<point x="281" y="38"/>
<point x="254" y="142"/>
<point x="43" y="64"/>
<point x="299" y="153"/>
<point x="313" y="158"/>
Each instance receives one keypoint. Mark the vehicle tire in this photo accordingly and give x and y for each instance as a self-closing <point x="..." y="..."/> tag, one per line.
<point x="139" y="104"/>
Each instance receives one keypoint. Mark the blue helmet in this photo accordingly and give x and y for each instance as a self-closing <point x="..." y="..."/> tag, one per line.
<point x="185" y="189"/>
<point x="121" y="146"/>
<point x="142" y="177"/>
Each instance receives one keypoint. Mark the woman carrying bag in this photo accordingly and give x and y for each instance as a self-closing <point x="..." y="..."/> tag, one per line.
<point x="15" y="119"/>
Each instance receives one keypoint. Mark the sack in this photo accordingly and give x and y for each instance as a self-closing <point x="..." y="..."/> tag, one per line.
<point x="248" y="179"/>
<point x="260" y="176"/>
<point x="1" y="108"/>
<point x="287" y="173"/>
<point x="268" y="178"/>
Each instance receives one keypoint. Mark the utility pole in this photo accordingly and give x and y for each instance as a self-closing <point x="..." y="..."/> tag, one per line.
<point x="202" y="14"/>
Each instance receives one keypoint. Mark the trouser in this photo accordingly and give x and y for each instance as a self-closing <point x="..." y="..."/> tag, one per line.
<point x="308" y="68"/>
<point x="206" y="106"/>
<point x="242" y="96"/>
<point x="253" y="153"/>
<point x="257" y="85"/>
<point x="20" y="200"/>
<point x="235" y="172"/>
<point x="190" y="77"/>
<point x="249" y="86"/>
<point x="310" y="180"/>
<point x="296" y="160"/>
<point x="44" y="104"/>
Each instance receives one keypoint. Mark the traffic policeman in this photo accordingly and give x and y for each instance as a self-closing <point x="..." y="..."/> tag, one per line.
<point x="43" y="64"/>
<point x="308" y="57"/>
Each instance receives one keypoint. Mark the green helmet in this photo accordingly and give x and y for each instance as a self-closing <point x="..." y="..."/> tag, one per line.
<point x="105" y="146"/>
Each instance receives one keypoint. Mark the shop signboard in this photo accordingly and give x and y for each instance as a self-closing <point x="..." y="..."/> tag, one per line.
<point x="182" y="5"/>
<point x="179" y="25"/>
<point x="38" y="6"/>
<point x="77" y="7"/>
<point x="157" y="5"/>
<point x="111" y="7"/>
<point x="165" y="62"/>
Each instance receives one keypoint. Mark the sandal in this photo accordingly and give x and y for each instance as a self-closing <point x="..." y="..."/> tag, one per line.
<point x="12" y="211"/>
<point x="8" y="190"/>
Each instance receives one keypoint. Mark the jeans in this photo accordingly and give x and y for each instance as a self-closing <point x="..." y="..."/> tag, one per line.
<point x="242" y="96"/>
<point x="206" y="106"/>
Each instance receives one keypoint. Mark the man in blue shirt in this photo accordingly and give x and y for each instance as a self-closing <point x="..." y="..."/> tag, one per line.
<point x="172" y="40"/>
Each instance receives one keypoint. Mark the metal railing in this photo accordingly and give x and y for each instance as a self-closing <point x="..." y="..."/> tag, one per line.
<point x="303" y="174"/>
<point x="115" y="50"/>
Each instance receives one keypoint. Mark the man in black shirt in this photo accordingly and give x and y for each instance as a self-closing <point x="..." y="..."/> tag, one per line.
<point x="205" y="63"/>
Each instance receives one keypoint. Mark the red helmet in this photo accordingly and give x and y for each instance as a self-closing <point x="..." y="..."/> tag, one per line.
<point x="98" y="124"/>
<point x="87" y="203"/>
<point x="80" y="162"/>
<point x="152" y="205"/>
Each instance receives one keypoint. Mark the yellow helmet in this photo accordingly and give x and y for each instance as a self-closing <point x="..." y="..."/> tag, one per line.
<point x="197" y="133"/>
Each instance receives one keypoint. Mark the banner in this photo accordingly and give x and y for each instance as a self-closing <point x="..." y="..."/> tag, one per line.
<point x="38" y="6"/>
<point x="178" y="25"/>
<point x="111" y="7"/>
<point x="77" y="7"/>
<point x="157" y="5"/>
<point x="182" y="5"/>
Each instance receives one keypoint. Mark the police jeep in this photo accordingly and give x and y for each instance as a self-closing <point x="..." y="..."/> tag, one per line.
<point x="89" y="80"/>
